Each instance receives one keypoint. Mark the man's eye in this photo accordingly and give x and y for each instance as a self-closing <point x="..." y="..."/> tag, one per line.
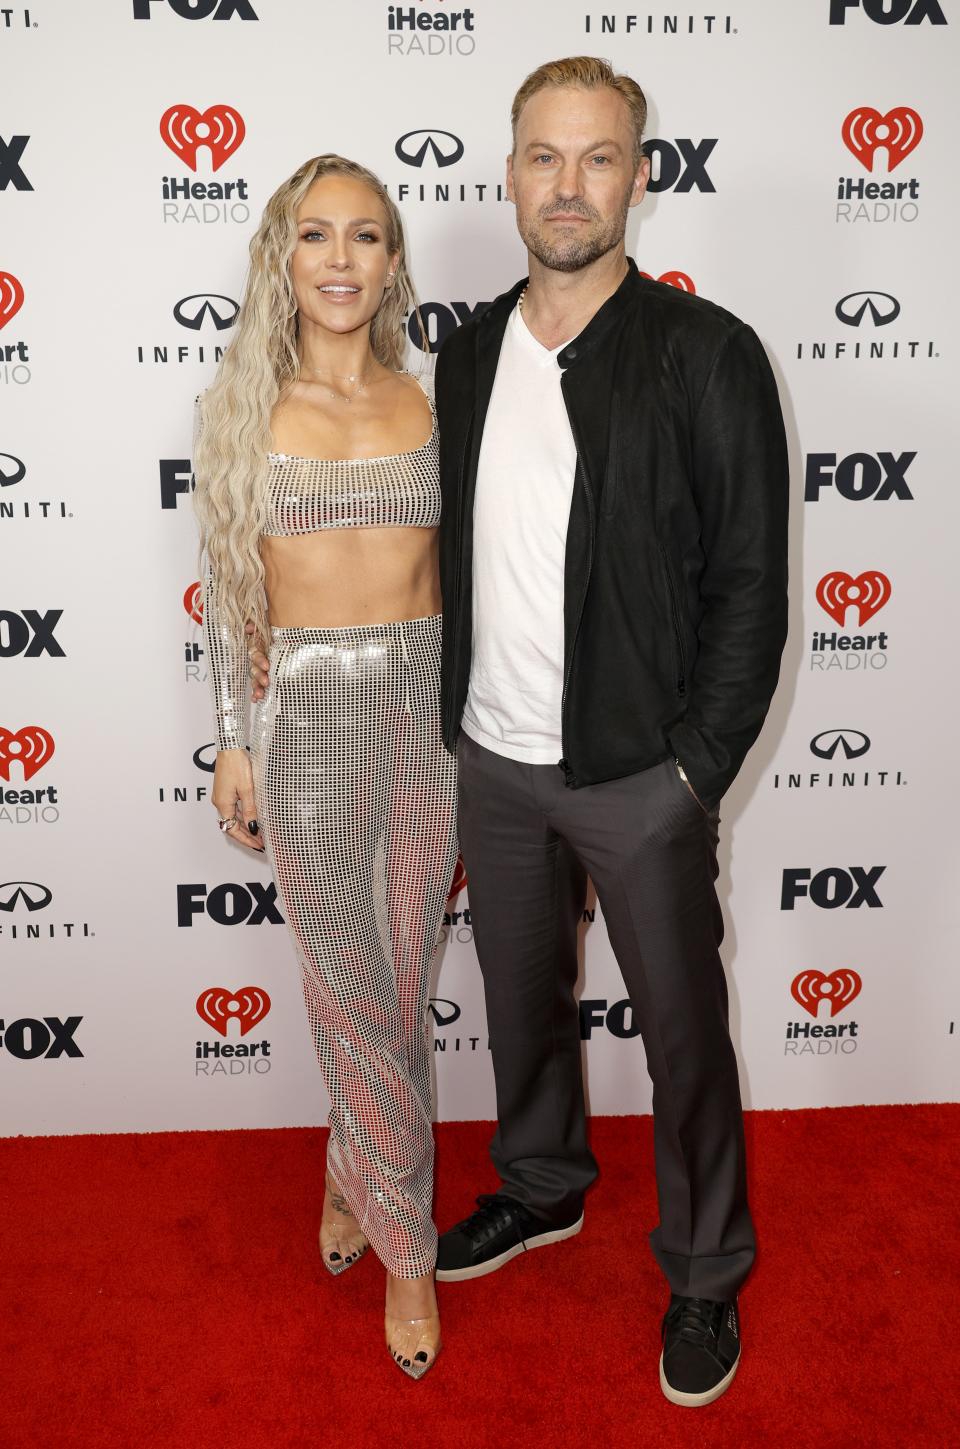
<point x="602" y="160"/>
<point x="544" y="157"/>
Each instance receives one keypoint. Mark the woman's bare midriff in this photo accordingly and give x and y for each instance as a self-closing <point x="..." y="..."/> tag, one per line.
<point x="342" y="577"/>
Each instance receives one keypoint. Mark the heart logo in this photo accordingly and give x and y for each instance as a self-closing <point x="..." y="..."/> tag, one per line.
<point x="31" y="745"/>
<point x="839" y="988"/>
<point x="185" y="129"/>
<point x="193" y="602"/>
<point x="680" y="280"/>
<point x="864" y="131"/>
<point x="218" y="1006"/>
<point x="868" y="592"/>
<point x="11" y="297"/>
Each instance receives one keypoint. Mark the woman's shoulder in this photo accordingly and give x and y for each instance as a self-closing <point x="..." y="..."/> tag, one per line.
<point x="422" y="378"/>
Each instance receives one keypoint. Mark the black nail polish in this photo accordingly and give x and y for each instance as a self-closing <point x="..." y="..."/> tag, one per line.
<point x="253" y="827"/>
<point x="406" y="1363"/>
<point x="421" y="1357"/>
<point x="335" y="1257"/>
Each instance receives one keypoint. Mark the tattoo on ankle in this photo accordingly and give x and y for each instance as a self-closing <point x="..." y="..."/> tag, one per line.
<point x="339" y="1204"/>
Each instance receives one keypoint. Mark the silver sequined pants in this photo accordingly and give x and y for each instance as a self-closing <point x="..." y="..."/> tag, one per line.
<point x="357" y="799"/>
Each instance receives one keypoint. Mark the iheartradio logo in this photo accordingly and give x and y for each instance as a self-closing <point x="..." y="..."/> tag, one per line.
<point x="193" y="602"/>
<point x="680" y="280"/>
<point x="865" y="131"/>
<point x="185" y="129"/>
<point x="31" y="745"/>
<point x="867" y="593"/>
<point x="11" y="297"/>
<point x="839" y="988"/>
<point x="217" y="1007"/>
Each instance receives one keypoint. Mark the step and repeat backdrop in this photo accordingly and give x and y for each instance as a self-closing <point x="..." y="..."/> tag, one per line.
<point x="803" y="177"/>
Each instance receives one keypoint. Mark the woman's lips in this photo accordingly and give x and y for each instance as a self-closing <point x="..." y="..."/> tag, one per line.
<point x="334" y="292"/>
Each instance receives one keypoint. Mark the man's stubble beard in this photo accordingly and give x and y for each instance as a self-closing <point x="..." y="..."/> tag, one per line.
<point x="578" y="252"/>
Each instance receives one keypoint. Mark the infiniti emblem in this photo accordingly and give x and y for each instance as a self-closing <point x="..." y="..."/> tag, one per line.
<point x="443" y="1012"/>
<point x="192" y="311"/>
<point x="11" y="474"/>
<point x="34" y="895"/>
<point x="851" y="743"/>
<point x="882" y="308"/>
<point x="445" y="147"/>
<point x="201" y="759"/>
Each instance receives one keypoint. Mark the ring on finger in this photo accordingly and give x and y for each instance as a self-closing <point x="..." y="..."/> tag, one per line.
<point x="226" y="823"/>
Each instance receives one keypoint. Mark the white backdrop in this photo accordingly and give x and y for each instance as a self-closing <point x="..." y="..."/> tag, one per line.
<point x="761" y="118"/>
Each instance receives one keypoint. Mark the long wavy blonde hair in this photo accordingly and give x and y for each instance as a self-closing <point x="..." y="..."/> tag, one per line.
<point x="262" y="362"/>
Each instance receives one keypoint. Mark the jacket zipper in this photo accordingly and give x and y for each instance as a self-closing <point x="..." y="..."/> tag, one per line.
<point x="458" y="577"/>
<point x="675" y="617"/>
<point x="588" y="493"/>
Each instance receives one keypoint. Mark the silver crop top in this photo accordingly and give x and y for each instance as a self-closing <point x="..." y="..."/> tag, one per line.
<point x="400" y="490"/>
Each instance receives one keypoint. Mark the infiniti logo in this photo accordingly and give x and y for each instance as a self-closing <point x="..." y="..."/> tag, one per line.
<point x="443" y="1012"/>
<point x="11" y="470"/>
<point x="882" y="308"/>
<point x="192" y="311"/>
<point x="34" y="895"/>
<point x="445" y="146"/>
<point x="853" y="744"/>
<point x="201" y="757"/>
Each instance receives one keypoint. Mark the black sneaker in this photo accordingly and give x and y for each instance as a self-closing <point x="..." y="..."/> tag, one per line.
<point x="701" y="1350"/>
<point x="498" y="1230"/>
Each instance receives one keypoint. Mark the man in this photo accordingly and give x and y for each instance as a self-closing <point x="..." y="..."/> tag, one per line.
<point x="613" y="566"/>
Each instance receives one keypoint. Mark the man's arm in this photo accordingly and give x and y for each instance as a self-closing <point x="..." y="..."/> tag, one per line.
<point x="741" y="485"/>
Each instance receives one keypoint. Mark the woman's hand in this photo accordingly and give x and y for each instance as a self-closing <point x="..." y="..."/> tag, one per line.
<point x="259" y="667"/>
<point x="233" y="797"/>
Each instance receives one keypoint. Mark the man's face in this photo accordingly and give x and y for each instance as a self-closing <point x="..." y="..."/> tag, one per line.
<point x="572" y="175"/>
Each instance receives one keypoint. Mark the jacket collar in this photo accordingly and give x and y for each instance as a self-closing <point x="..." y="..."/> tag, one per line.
<point x="493" y="324"/>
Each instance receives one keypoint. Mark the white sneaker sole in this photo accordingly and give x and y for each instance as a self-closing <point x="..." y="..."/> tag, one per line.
<point x="542" y="1240"/>
<point x="696" y="1401"/>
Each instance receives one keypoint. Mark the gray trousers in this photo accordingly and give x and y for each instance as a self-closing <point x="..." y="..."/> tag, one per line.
<point x="528" y="845"/>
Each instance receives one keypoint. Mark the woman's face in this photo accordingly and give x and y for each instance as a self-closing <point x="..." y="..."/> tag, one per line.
<point x="340" y="264"/>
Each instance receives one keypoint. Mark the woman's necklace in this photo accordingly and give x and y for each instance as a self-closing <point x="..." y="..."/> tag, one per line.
<point x="356" y="377"/>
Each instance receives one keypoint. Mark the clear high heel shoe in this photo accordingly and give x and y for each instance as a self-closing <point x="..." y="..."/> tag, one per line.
<point x="414" y="1343"/>
<point x="342" y="1244"/>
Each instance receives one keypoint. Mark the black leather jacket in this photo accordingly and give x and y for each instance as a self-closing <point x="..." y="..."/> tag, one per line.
<point x="675" y="591"/>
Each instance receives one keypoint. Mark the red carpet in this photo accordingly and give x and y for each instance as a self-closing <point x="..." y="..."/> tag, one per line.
<point x="166" y="1290"/>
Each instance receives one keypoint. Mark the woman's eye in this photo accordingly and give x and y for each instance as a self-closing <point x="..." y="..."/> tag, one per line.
<point x="312" y="236"/>
<point x="367" y="236"/>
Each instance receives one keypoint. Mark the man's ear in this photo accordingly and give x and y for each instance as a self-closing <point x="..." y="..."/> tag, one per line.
<point x="511" y="194"/>
<point x="638" y="190"/>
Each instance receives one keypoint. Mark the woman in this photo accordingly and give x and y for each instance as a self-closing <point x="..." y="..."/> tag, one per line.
<point x="318" y="497"/>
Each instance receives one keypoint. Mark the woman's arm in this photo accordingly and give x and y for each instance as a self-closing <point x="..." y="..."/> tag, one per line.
<point x="233" y="793"/>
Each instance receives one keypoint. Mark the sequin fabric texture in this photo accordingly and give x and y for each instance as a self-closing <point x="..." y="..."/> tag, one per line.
<point x="356" y="796"/>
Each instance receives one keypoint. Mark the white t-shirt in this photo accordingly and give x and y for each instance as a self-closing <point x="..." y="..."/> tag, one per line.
<point x="524" y="489"/>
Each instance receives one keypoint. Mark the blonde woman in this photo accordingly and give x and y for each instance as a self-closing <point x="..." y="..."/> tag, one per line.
<point x="318" y="497"/>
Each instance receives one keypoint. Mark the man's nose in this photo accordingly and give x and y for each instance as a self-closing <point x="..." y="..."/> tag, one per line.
<point x="568" y="182"/>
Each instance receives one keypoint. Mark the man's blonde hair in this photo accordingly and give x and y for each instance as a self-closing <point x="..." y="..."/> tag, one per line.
<point x="590" y="72"/>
